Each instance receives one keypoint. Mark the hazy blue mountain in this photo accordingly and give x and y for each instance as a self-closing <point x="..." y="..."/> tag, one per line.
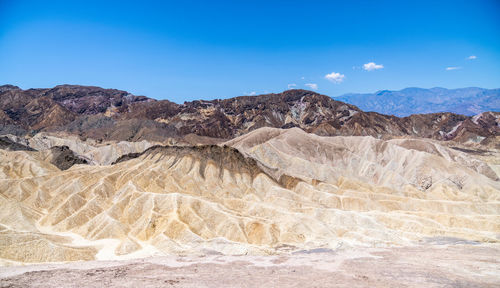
<point x="465" y="101"/>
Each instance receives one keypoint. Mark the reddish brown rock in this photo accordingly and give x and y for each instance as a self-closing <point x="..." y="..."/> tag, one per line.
<point x="112" y="114"/>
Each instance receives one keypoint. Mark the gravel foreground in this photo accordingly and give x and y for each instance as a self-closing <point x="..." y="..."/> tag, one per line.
<point x="416" y="266"/>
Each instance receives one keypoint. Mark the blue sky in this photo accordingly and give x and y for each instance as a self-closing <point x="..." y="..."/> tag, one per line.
<point x="186" y="50"/>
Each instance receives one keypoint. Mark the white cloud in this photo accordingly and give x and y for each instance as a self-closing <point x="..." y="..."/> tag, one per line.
<point x="302" y="77"/>
<point x="472" y="57"/>
<point x="452" y="68"/>
<point x="253" y="93"/>
<point x="291" y="86"/>
<point x="335" y="77"/>
<point x="313" y="86"/>
<point x="372" y="66"/>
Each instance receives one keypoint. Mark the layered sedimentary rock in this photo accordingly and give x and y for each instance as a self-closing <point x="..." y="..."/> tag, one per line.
<point x="268" y="191"/>
<point x="93" y="152"/>
<point x="109" y="114"/>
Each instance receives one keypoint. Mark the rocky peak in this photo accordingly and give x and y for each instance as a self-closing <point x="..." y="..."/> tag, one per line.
<point x="90" y="99"/>
<point x="119" y="115"/>
<point x="8" y="87"/>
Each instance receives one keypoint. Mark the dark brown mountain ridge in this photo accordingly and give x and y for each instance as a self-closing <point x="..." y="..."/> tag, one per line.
<point x="110" y="114"/>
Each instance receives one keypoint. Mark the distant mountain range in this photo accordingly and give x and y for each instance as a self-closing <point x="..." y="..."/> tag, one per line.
<point x="109" y="114"/>
<point x="465" y="101"/>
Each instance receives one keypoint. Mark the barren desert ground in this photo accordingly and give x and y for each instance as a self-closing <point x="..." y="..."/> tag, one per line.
<point x="444" y="263"/>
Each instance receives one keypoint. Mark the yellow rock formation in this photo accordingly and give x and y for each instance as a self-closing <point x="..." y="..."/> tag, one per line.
<point x="280" y="189"/>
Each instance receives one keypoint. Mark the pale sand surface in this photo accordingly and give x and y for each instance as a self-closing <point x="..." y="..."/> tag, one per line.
<point x="414" y="266"/>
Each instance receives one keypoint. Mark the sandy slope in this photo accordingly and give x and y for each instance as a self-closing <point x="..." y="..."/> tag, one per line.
<point x="95" y="153"/>
<point x="283" y="190"/>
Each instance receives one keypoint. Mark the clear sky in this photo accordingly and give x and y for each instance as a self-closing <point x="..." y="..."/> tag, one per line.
<point x="185" y="50"/>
